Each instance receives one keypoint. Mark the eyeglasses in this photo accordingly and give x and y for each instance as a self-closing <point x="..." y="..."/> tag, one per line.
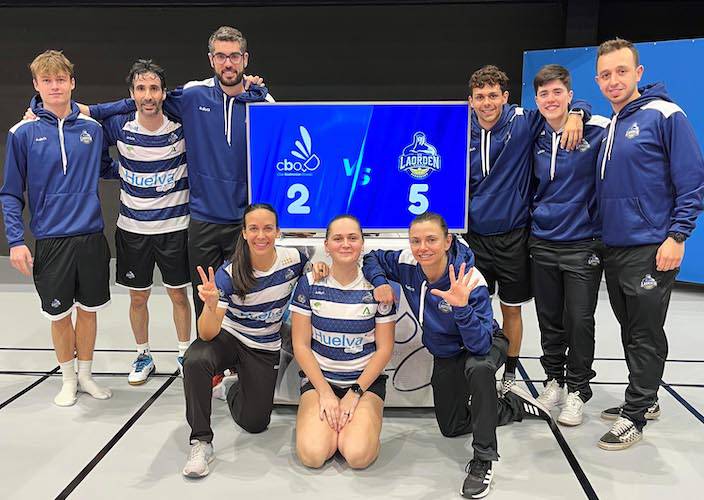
<point x="220" y="58"/>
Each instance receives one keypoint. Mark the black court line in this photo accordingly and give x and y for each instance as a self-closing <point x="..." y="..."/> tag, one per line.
<point x="101" y="454"/>
<point x="683" y="402"/>
<point x="622" y="359"/>
<point x="45" y="375"/>
<point x="571" y="459"/>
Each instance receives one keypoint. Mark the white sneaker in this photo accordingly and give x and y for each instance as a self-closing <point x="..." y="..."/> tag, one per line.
<point x="141" y="369"/>
<point x="571" y="414"/>
<point x="200" y="456"/>
<point x="220" y="390"/>
<point x="553" y="395"/>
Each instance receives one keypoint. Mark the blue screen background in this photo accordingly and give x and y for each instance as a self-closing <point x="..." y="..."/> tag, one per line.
<point x="358" y="146"/>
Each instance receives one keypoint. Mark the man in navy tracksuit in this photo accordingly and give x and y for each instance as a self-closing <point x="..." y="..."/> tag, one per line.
<point x="212" y="112"/>
<point x="465" y="341"/>
<point x="56" y="159"/>
<point x="565" y="250"/>
<point x="502" y="138"/>
<point x="650" y="189"/>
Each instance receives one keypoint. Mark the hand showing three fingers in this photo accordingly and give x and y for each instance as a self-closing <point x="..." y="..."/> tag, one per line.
<point x="208" y="292"/>
<point x="460" y="287"/>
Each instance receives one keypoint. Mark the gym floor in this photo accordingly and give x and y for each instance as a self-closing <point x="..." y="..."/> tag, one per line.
<point x="136" y="443"/>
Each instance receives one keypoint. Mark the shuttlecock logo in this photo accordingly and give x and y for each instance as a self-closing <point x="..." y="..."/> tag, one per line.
<point x="306" y="162"/>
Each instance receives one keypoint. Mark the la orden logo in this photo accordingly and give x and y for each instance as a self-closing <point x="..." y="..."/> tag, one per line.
<point x="420" y="158"/>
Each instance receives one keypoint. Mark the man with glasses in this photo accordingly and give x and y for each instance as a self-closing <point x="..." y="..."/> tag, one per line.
<point x="212" y="112"/>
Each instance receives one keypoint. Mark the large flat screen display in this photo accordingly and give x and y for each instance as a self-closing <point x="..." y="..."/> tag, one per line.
<point x="382" y="162"/>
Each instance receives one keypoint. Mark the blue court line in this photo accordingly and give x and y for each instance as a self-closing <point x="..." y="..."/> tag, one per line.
<point x="683" y="401"/>
<point x="571" y="459"/>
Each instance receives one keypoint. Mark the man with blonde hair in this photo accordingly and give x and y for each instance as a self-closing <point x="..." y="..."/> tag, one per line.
<point x="56" y="160"/>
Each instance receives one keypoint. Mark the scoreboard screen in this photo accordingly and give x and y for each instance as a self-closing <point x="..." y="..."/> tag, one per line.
<point x="383" y="162"/>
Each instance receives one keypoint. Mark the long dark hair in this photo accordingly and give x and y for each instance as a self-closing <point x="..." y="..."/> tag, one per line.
<point x="243" y="278"/>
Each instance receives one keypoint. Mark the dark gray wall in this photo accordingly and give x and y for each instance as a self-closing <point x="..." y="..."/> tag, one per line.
<point x="320" y="52"/>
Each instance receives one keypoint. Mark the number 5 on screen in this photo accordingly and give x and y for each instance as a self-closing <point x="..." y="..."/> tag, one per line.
<point x="419" y="202"/>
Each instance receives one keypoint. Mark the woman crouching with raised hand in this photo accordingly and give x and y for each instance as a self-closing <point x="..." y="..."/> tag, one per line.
<point x="451" y="302"/>
<point x="244" y="305"/>
<point x="342" y="340"/>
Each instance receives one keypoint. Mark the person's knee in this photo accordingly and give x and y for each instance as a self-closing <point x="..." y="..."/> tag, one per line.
<point x="139" y="299"/>
<point x="313" y="453"/>
<point x="178" y="297"/>
<point x="448" y="430"/>
<point x="360" y="455"/>
<point x="199" y="356"/>
<point x="510" y="312"/>
<point x="253" y="423"/>
<point x="480" y="370"/>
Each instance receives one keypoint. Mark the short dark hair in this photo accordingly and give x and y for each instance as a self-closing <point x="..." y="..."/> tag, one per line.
<point x="551" y="72"/>
<point x="142" y="66"/>
<point x="617" y="44"/>
<point x="431" y="217"/>
<point x="488" y="75"/>
<point x="343" y="216"/>
<point x="227" y="34"/>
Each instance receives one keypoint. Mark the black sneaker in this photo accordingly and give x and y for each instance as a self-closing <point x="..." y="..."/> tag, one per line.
<point x="622" y="435"/>
<point x="477" y="484"/>
<point x="613" y="413"/>
<point x="531" y="407"/>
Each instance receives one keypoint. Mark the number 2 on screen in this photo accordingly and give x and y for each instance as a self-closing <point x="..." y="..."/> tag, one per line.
<point x="419" y="202"/>
<point x="298" y="206"/>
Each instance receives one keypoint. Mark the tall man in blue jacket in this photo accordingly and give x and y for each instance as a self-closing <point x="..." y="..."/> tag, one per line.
<point x="650" y="188"/>
<point x="56" y="160"/>
<point x="212" y="112"/>
<point x="501" y="143"/>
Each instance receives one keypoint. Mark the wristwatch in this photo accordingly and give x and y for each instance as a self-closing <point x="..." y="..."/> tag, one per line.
<point x="579" y="112"/>
<point x="357" y="389"/>
<point x="678" y="237"/>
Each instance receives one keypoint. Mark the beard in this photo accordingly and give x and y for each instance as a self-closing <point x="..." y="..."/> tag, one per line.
<point x="239" y="75"/>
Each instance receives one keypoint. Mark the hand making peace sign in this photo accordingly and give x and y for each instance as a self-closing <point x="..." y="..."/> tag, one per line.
<point x="460" y="287"/>
<point x="208" y="292"/>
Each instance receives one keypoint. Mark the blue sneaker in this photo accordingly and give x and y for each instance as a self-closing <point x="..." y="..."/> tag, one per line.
<point x="179" y="362"/>
<point x="141" y="369"/>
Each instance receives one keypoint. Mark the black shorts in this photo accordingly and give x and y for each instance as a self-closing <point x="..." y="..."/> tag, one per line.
<point x="378" y="387"/>
<point x="504" y="259"/>
<point x="72" y="272"/>
<point x="137" y="254"/>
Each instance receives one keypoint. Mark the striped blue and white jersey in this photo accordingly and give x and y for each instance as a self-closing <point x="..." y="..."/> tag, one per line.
<point x="256" y="320"/>
<point x="343" y="320"/>
<point x="154" y="179"/>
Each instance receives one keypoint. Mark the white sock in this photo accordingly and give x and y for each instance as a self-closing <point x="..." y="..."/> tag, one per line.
<point x="67" y="394"/>
<point x="87" y="384"/>
<point x="183" y="347"/>
<point x="143" y="348"/>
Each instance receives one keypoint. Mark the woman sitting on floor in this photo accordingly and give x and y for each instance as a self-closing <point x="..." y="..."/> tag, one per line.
<point x="342" y="340"/>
